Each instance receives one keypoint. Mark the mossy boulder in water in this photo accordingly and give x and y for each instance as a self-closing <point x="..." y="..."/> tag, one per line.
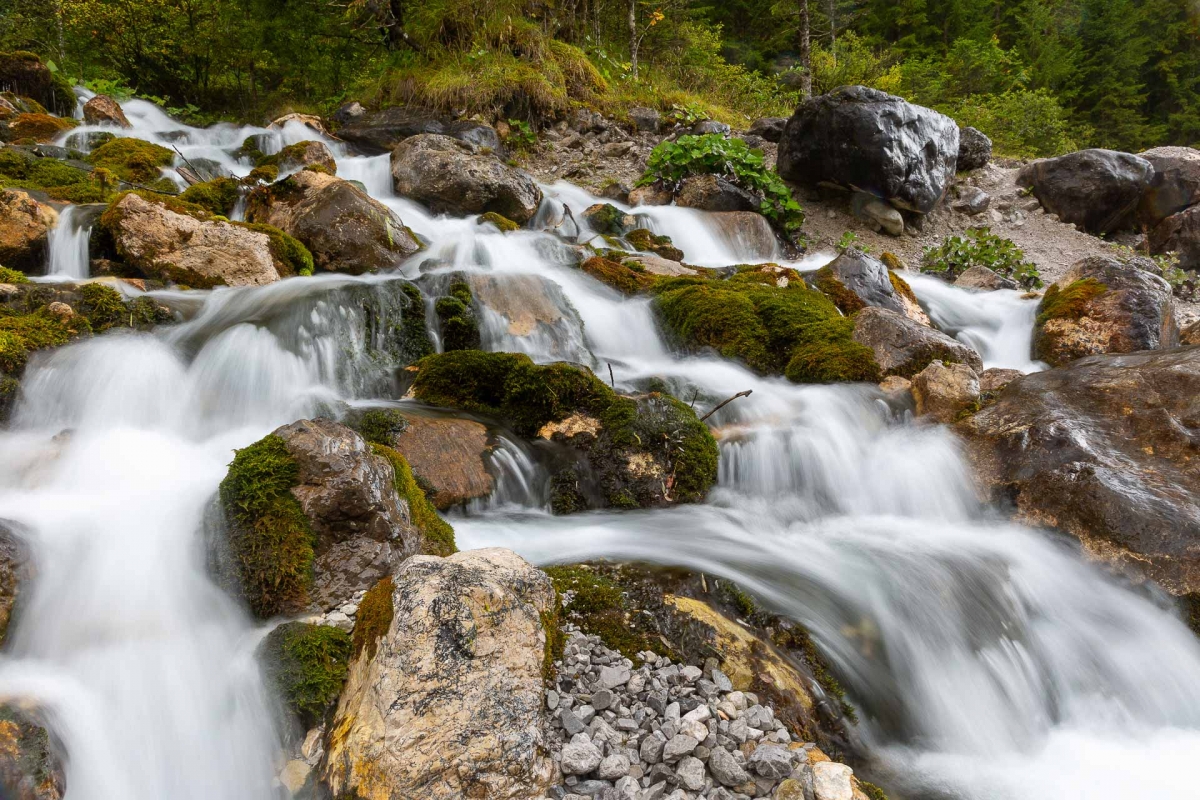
<point x="769" y="320"/>
<point x="300" y="155"/>
<point x="345" y="229"/>
<point x="218" y="196"/>
<point x="135" y="160"/>
<point x="855" y="280"/>
<point x="316" y="514"/>
<point x="31" y="766"/>
<point x="904" y="347"/>
<point x="177" y="241"/>
<point x="34" y="128"/>
<point x="68" y="180"/>
<point x="626" y="452"/>
<point x="308" y="665"/>
<point x="456" y="314"/>
<point x="1104" y="305"/>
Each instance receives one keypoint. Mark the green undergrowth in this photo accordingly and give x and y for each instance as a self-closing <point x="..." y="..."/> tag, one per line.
<point x="374" y="617"/>
<point x="270" y="537"/>
<point x="1070" y="302"/>
<point x="791" y="330"/>
<point x="980" y="247"/>
<point x="437" y="535"/>
<point x="309" y="665"/>
<point x="598" y="606"/>
<point x="12" y="276"/>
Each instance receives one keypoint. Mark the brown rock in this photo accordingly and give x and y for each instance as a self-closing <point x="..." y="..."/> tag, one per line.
<point x="659" y="266"/>
<point x="24" y="74"/>
<point x="30" y="766"/>
<point x="943" y="391"/>
<point x="984" y="279"/>
<point x="312" y="121"/>
<point x="103" y="110"/>
<point x="650" y="196"/>
<point x="1103" y="449"/>
<point x="449" y="454"/>
<point x="451" y="704"/>
<point x="749" y="231"/>
<point x="303" y="154"/>
<point x="994" y="379"/>
<point x="1104" y="305"/>
<point x="177" y="247"/>
<point x="345" y="229"/>
<point x="714" y="193"/>
<point x="25" y="226"/>
<point x="905" y="347"/>
<point x="1191" y="333"/>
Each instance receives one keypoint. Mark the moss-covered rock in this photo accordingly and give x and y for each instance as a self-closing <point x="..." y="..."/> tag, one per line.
<point x="308" y="664"/>
<point x="30" y="764"/>
<point x="375" y="614"/>
<point x="35" y="128"/>
<point x="26" y="75"/>
<point x="218" y="196"/>
<point x="605" y="218"/>
<point x="381" y="425"/>
<point x="270" y="538"/>
<point x="301" y="155"/>
<point x="12" y="276"/>
<point x="625" y="278"/>
<point x="134" y="160"/>
<point x="70" y="181"/>
<point x="502" y="222"/>
<point x="640" y="451"/>
<point x="456" y="314"/>
<point x="436" y="534"/>
<point x="660" y="245"/>
<point x="768" y="319"/>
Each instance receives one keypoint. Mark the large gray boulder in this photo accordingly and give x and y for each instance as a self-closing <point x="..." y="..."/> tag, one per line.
<point x="451" y="176"/>
<point x="1175" y="186"/>
<point x="1103" y="449"/>
<point x="974" y="149"/>
<point x="381" y="131"/>
<point x="874" y="142"/>
<point x="344" y="228"/>
<point x="1098" y="190"/>
<point x="1179" y="234"/>
<point x="450" y="705"/>
<point x="1104" y="304"/>
<point x="904" y="347"/>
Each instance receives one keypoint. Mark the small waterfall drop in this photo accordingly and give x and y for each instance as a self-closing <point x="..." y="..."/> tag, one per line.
<point x="67" y="251"/>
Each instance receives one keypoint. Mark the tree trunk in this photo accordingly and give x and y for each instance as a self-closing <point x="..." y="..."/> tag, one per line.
<point x="633" y="38"/>
<point x="805" y="48"/>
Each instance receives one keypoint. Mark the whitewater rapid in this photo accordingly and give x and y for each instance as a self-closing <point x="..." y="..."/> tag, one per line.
<point x="988" y="661"/>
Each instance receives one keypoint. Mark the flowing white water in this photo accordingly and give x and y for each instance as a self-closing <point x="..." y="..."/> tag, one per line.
<point x="988" y="661"/>
<point x="67" y="256"/>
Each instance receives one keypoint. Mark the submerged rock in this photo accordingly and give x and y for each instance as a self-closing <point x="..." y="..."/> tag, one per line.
<point x="1098" y="190"/>
<point x="452" y="177"/>
<point x="25" y="226"/>
<point x="750" y="232"/>
<point x="344" y="229"/>
<point x="448" y="453"/>
<point x="14" y="571"/>
<point x="1104" y="305"/>
<point x="1102" y="449"/>
<point x="874" y="142"/>
<point x="31" y="766"/>
<point x="450" y="705"/>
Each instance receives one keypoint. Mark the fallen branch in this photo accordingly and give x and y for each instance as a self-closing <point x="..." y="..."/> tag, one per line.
<point x="194" y="177"/>
<point x="721" y="405"/>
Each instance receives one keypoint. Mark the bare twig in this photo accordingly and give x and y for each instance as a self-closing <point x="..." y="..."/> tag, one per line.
<point x="611" y="381"/>
<point x="195" y="172"/>
<point x="724" y="403"/>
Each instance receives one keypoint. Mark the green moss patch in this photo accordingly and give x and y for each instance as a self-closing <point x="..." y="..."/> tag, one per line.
<point x="12" y="276"/>
<point x="375" y="614"/>
<point x="771" y="329"/>
<point x="502" y="222"/>
<point x="309" y="665"/>
<point x="455" y="312"/>
<point x="218" y="196"/>
<point x="622" y="277"/>
<point x="133" y="160"/>
<point x="270" y="538"/>
<point x="845" y="299"/>
<point x="436" y="533"/>
<point x="21" y="334"/>
<point x="38" y="127"/>
<point x="381" y="426"/>
<point x="597" y="604"/>
<point x="285" y="248"/>
<point x="1070" y="302"/>
<point x="661" y="246"/>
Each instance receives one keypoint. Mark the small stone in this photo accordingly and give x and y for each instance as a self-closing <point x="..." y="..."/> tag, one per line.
<point x="626" y="787"/>
<point x="722" y="681"/>
<point x="651" y="749"/>
<point x="552" y="700"/>
<point x="698" y="714"/>
<point x="612" y="677"/>
<point x="760" y="717"/>
<point x="690" y="673"/>
<point x="613" y="767"/>
<point x="580" y="756"/>
<point x="636" y="684"/>
<point x="725" y="768"/>
<point x="679" y="745"/>
<point x="626" y="724"/>
<point x="654" y="792"/>
<point x="571" y="723"/>
<point x="585" y="713"/>
<point x="311" y="749"/>
<point x="672" y="713"/>
<point x="690" y="772"/>
<point x="602" y="699"/>
<point x="771" y="761"/>
<point x="831" y="781"/>
<point x="697" y="730"/>
<point x="294" y="776"/>
<point x="592" y="788"/>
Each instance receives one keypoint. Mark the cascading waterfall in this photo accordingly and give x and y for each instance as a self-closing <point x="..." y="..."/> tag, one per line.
<point x="989" y="659"/>
<point x="67" y="256"/>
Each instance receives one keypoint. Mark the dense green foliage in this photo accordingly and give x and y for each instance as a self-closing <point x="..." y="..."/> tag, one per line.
<point x="1038" y="76"/>
<point x="308" y="664"/>
<point x="270" y="537"/>
<point x="671" y="162"/>
<point x="980" y="247"/>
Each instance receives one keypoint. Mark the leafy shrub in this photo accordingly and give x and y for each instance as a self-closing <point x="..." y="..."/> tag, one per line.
<point x="712" y="153"/>
<point x="1021" y="123"/>
<point x="981" y="248"/>
<point x="853" y="62"/>
<point x="521" y="135"/>
<point x="12" y="276"/>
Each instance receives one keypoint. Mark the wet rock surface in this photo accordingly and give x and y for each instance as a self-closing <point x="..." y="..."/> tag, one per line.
<point x="449" y="454"/>
<point x="31" y="766"/>
<point x="875" y="142"/>
<point x="103" y="110"/>
<point x="904" y="347"/>
<point x="25" y="226"/>
<point x="1104" y="449"/>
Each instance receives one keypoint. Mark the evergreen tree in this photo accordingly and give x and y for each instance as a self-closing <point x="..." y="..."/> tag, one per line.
<point x="1111" y="95"/>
